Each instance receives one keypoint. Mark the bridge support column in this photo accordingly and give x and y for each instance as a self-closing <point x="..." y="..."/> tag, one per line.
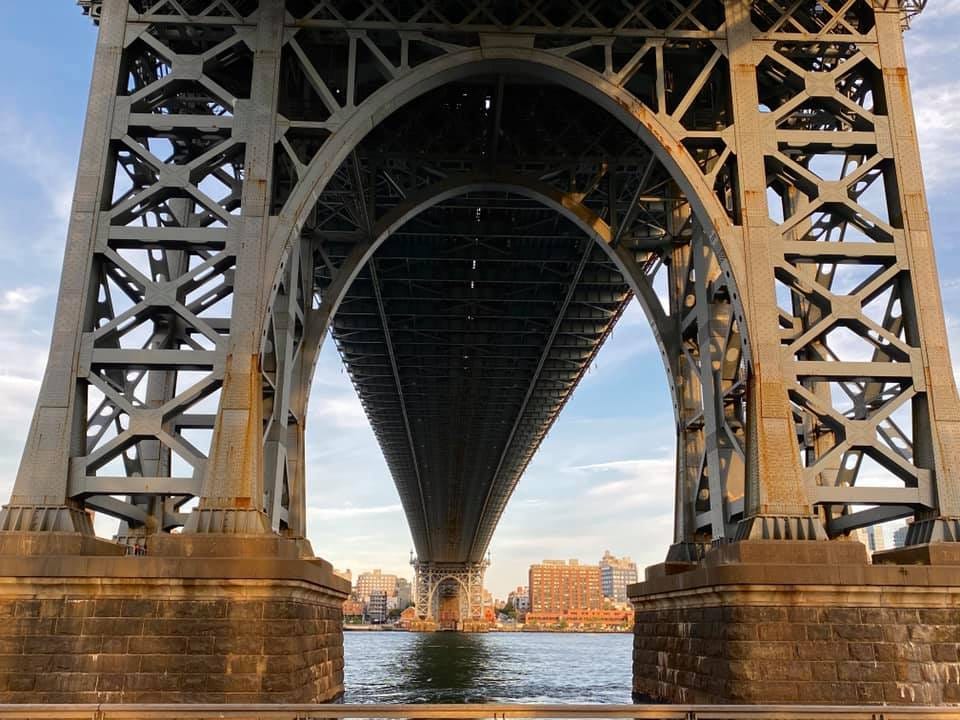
<point x="799" y="622"/>
<point x="449" y="596"/>
<point x="199" y="619"/>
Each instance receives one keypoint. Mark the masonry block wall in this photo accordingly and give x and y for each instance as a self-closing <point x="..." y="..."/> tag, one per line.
<point x="130" y="650"/>
<point x="800" y="622"/>
<point x="247" y="626"/>
<point x="795" y="654"/>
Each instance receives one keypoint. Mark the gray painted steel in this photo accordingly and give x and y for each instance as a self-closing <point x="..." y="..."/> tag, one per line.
<point x="466" y="196"/>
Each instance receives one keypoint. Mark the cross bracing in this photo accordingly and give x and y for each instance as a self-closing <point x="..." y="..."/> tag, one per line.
<point x="257" y="174"/>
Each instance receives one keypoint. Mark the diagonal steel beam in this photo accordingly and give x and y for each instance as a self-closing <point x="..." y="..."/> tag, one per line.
<point x="635" y="202"/>
<point x="554" y="331"/>
<point x="403" y="405"/>
<point x="367" y="212"/>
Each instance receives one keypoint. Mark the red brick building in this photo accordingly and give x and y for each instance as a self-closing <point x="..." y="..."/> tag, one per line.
<point x="352" y="609"/>
<point x="558" y="586"/>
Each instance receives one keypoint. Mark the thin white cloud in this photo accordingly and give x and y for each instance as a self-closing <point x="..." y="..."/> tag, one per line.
<point x="616" y="487"/>
<point x="931" y="47"/>
<point x="331" y="513"/>
<point x="628" y="466"/>
<point x="529" y="502"/>
<point x="342" y="411"/>
<point x="953" y="335"/>
<point x="19" y="396"/>
<point x="544" y="543"/>
<point x="938" y="10"/>
<point x="29" y="150"/>
<point x="20" y="298"/>
<point x="937" y="109"/>
<point x="642" y="483"/>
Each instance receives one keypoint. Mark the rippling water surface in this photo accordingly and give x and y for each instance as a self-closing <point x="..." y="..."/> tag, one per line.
<point x="401" y="667"/>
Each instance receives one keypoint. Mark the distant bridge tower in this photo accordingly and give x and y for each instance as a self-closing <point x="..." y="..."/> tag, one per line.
<point x="435" y="583"/>
<point x="466" y="196"/>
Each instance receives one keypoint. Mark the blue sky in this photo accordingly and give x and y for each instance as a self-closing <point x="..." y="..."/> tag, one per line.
<point x="603" y="479"/>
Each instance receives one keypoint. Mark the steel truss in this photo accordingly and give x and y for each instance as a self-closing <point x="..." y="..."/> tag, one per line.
<point x="748" y="170"/>
<point x="434" y="581"/>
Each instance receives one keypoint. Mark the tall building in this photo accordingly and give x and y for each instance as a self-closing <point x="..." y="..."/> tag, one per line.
<point x="369" y="582"/>
<point x="876" y="539"/>
<point x="558" y="586"/>
<point x="615" y="574"/>
<point x="486" y="598"/>
<point x="377" y="606"/>
<point x="872" y="537"/>
<point x="900" y="536"/>
<point x="404" y="593"/>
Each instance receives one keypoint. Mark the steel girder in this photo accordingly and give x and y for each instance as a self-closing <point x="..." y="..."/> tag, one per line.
<point x="219" y="223"/>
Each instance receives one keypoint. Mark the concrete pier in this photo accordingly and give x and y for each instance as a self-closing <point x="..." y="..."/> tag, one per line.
<point x="799" y="622"/>
<point x="231" y="620"/>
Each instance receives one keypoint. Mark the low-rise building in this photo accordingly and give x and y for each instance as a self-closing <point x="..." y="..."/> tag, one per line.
<point x="520" y="599"/>
<point x="404" y="593"/>
<point x="352" y="611"/>
<point x="580" y="619"/>
<point x="407" y="617"/>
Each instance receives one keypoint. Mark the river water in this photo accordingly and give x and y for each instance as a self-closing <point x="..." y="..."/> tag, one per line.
<point x="445" y="667"/>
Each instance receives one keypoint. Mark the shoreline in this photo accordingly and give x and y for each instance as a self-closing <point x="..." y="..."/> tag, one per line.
<point x="518" y="631"/>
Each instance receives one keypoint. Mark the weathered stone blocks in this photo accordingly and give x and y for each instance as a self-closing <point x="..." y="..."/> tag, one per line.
<point x="832" y="630"/>
<point x="237" y="625"/>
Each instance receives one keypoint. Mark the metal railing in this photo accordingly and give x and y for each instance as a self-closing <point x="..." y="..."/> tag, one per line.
<point x="474" y="712"/>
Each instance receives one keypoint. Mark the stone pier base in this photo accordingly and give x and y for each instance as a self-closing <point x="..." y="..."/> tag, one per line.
<point x="423" y="626"/>
<point x="800" y="622"/>
<point x="474" y="626"/>
<point x="230" y="620"/>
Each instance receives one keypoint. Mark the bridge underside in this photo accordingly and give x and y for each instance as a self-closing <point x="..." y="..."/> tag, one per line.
<point x="464" y="335"/>
<point x="468" y="329"/>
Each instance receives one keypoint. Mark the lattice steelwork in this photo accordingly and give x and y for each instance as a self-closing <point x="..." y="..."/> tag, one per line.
<point x="466" y="194"/>
<point x="464" y="581"/>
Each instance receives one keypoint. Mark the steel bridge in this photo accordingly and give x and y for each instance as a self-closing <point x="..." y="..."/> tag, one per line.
<point x="465" y="196"/>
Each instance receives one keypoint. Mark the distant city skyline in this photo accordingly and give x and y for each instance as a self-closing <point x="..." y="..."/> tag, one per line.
<point x="604" y="477"/>
<point x="379" y="578"/>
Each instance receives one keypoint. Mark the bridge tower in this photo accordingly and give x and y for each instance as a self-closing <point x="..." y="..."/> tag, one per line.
<point x="465" y="196"/>
<point x="433" y="582"/>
